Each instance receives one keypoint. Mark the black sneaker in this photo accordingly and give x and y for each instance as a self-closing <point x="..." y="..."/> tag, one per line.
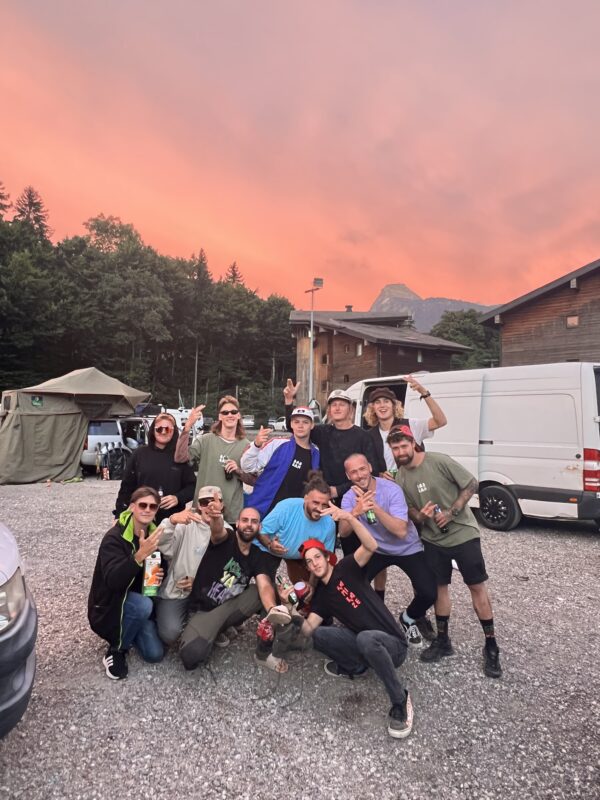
<point x="426" y="629"/>
<point x="400" y="719"/>
<point x="491" y="659"/>
<point x="115" y="664"/>
<point x="411" y="631"/>
<point x="334" y="669"/>
<point x="437" y="650"/>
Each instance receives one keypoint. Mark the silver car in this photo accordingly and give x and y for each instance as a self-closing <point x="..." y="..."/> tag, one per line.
<point x="18" y="632"/>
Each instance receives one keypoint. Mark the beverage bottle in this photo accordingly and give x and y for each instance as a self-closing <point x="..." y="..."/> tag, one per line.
<point x="292" y="596"/>
<point x="371" y="517"/>
<point x="228" y="475"/>
<point x="151" y="579"/>
<point x="444" y="529"/>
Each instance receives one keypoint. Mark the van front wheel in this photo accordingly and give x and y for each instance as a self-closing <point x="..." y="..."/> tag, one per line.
<point x="498" y="508"/>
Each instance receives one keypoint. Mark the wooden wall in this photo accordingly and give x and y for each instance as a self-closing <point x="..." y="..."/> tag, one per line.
<point x="537" y="333"/>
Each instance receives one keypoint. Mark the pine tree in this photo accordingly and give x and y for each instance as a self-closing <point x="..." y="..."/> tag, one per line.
<point x="233" y="275"/>
<point x="5" y="203"/>
<point x="29" y="207"/>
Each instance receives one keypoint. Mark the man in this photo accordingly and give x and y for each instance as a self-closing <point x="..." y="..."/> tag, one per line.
<point x="385" y="411"/>
<point x="282" y="464"/>
<point x="398" y="542"/>
<point x="370" y="636"/>
<point x="184" y="540"/>
<point x="294" y="520"/>
<point x="336" y="440"/>
<point x="222" y="596"/>
<point x="438" y="490"/>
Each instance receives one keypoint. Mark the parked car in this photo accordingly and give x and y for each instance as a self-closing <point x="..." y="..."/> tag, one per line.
<point x="248" y="421"/>
<point x="18" y="632"/>
<point x="126" y="432"/>
<point x="279" y="424"/>
<point x="208" y="423"/>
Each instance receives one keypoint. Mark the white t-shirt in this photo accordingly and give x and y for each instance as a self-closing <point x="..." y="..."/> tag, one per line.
<point x="420" y="430"/>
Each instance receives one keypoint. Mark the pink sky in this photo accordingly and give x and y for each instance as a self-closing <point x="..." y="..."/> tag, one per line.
<point x="451" y="147"/>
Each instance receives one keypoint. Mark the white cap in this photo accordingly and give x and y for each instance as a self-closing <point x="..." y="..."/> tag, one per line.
<point x="339" y="394"/>
<point x="303" y="411"/>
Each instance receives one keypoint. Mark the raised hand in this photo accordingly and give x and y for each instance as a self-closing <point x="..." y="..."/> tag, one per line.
<point x="148" y="544"/>
<point x="289" y="391"/>
<point x="262" y="436"/>
<point x="364" y="500"/>
<point x="185" y="517"/>
<point x="276" y="548"/>
<point x="169" y="501"/>
<point x="194" y="416"/>
<point x="336" y="513"/>
<point x="215" y="507"/>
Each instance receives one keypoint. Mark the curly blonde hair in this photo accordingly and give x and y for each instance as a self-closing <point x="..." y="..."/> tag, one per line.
<point x="370" y="417"/>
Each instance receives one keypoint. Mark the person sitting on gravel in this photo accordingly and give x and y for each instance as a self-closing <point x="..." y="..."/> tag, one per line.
<point x="117" y="610"/>
<point x="184" y="539"/>
<point x="370" y="636"/>
<point x="223" y="597"/>
<point x="438" y="490"/>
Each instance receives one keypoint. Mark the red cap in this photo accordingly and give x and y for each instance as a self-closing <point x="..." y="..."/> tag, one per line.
<point x="320" y="546"/>
<point x="404" y="430"/>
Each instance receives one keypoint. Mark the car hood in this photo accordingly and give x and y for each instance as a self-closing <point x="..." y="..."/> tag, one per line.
<point x="9" y="554"/>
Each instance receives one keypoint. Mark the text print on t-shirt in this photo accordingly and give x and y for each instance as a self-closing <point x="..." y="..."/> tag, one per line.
<point x="350" y="596"/>
<point x="229" y="586"/>
<point x="421" y="487"/>
<point x="296" y="464"/>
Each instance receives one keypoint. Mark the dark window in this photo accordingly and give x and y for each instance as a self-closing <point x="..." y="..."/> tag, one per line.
<point x="325" y="358"/>
<point x="346" y="378"/>
<point x="103" y="428"/>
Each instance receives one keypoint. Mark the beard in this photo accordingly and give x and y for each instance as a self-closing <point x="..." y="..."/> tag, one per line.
<point x="247" y="534"/>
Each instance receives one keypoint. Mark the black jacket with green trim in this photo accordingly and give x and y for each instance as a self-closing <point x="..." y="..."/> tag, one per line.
<point x="114" y="573"/>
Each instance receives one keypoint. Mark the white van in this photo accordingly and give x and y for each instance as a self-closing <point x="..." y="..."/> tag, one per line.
<point x="530" y="434"/>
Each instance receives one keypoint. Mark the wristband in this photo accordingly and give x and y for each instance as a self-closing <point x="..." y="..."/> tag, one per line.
<point x="425" y="396"/>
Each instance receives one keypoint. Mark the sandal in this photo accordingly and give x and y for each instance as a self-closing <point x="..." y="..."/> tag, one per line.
<point x="271" y="662"/>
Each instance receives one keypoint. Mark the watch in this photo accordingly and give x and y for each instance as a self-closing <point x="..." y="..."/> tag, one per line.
<point x="455" y="511"/>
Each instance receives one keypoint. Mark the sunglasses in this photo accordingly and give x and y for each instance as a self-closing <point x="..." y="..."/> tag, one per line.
<point x="205" y="501"/>
<point x="163" y="429"/>
<point x="231" y="411"/>
<point x="147" y="506"/>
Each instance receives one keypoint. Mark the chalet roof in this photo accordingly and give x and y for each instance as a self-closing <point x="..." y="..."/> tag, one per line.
<point x="548" y="287"/>
<point x="354" y="324"/>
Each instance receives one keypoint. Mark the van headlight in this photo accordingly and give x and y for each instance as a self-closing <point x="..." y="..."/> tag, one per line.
<point x="12" y="600"/>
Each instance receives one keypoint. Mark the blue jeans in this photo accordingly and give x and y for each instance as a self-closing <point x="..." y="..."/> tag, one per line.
<point x="139" y="630"/>
<point x="354" y="652"/>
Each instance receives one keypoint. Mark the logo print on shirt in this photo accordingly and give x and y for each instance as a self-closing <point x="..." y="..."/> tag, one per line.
<point x="296" y="464"/>
<point x="421" y="487"/>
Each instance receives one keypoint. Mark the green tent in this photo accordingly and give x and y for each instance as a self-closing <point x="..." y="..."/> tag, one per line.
<point x="43" y="428"/>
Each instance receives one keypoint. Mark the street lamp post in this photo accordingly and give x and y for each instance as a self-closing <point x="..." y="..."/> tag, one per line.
<point x="317" y="284"/>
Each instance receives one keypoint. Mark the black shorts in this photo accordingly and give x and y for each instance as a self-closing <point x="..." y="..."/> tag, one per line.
<point x="468" y="556"/>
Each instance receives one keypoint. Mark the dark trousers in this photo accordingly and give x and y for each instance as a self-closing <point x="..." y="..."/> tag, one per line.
<point x="419" y="573"/>
<point x="354" y="651"/>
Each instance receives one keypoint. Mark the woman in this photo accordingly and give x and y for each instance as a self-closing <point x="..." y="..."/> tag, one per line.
<point x="153" y="465"/>
<point x="117" y="610"/>
<point x="217" y="456"/>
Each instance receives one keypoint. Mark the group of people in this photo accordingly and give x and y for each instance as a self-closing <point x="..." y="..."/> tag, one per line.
<point x="228" y="554"/>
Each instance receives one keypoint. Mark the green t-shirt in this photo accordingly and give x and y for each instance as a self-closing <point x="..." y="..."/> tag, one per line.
<point x="209" y="453"/>
<point x="439" y="479"/>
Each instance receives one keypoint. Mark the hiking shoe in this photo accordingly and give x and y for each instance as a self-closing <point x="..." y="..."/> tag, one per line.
<point x="400" y="719"/>
<point x="426" y="629"/>
<point x="437" y="650"/>
<point x="334" y="669"/>
<point x="491" y="662"/>
<point x="222" y="640"/>
<point x="115" y="664"/>
<point x="279" y="615"/>
<point x="411" y="631"/>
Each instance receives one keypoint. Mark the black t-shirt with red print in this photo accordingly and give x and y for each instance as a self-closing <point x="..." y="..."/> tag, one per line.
<point x="349" y="597"/>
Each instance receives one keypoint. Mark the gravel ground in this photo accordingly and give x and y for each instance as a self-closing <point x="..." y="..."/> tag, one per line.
<point x="238" y="731"/>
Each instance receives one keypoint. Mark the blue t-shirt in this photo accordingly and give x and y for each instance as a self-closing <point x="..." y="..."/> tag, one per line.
<point x="393" y="501"/>
<point x="289" y="522"/>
